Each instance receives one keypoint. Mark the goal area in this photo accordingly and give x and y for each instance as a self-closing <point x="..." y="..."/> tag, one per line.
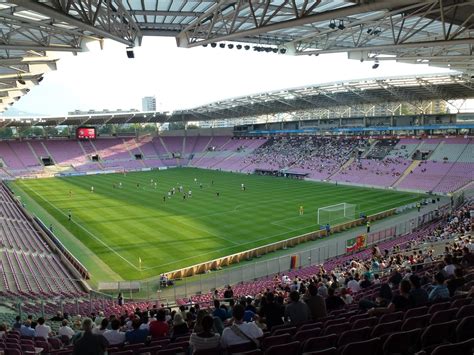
<point x="334" y="214"/>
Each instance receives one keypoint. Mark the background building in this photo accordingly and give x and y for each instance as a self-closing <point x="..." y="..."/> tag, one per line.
<point x="149" y="103"/>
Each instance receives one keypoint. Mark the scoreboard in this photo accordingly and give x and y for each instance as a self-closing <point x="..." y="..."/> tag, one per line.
<point x="86" y="133"/>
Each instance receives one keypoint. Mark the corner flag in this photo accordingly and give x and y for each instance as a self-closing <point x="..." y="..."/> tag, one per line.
<point x="140" y="263"/>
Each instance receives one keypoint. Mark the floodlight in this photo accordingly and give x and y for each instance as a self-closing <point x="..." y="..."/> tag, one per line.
<point x="247" y="47"/>
<point x="222" y="45"/>
<point x="230" y="46"/>
<point x="341" y="25"/>
<point x="213" y="45"/>
<point x="239" y="46"/>
<point x="376" y="64"/>
<point x="40" y="79"/>
<point x="332" y="24"/>
<point x="204" y="45"/>
<point x="282" y="50"/>
<point x="275" y="50"/>
<point x="21" y="81"/>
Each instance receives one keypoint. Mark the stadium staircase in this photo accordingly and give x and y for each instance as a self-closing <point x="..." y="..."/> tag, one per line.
<point x="414" y="164"/>
<point x="368" y="151"/>
<point x="183" y="146"/>
<point x="33" y="152"/>
<point x="164" y="146"/>
<point x="47" y="151"/>
<point x="343" y="167"/>
<point x="204" y="151"/>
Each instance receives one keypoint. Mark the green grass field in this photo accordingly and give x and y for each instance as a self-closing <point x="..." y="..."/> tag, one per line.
<point x="120" y="225"/>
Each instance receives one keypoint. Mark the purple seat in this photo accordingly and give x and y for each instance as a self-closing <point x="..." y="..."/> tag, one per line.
<point x="462" y="348"/>
<point x="444" y="316"/>
<point x="319" y="343"/>
<point x="364" y="322"/>
<point x="465" y="311"/>
<point x="386" y="328"/>
<point x="275" y="340"/>
<point x="416" y="312"/>
<point x="283" y="349"/>
<point x="441" y="306"/>
<point x="415" y="322"/>
<point x="302" y="335"/>
<point x="465" y="329"/>
<point x="390" y="317"/>
<point x="350" y="336"/>
<point x="458" y="303"/>
<point x="329" y="351"/>
<point x="362" y="347"/>
<point x="337" y="328"/>
<point x="170" y="351"/>
<point x="311" y="326"/>
<point x="153" y="350"/>
<point x="289" y="330"/>
<point x="436" y="334"/>
<point x="239" y="348"/>
<point x="402" y="342"/>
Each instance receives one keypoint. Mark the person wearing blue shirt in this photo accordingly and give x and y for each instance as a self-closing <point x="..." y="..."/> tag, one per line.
<point x="27" y="330"/>
<point x="440" y="290"/>
<point x="136" y="335"/>
<point x="219" y="312"/>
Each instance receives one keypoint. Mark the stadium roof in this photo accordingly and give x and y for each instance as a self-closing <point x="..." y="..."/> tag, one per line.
<point x="434" y="32"/>
<point x="342" y="93"/>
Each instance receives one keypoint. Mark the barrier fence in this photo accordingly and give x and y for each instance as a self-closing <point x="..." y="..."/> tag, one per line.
<point x="202" y="283"/>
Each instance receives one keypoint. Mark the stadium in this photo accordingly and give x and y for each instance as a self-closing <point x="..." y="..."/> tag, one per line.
<point x="326" y="218"/>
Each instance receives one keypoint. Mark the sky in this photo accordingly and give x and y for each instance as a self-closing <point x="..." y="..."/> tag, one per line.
<point x="185" y="78"/>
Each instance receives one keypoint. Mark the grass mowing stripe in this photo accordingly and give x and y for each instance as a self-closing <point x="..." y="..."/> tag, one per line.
<point x="176" y="233"/>
<point x="84" y="229"/>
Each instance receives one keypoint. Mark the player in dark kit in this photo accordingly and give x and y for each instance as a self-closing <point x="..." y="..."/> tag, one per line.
<point x="217" y="194"/>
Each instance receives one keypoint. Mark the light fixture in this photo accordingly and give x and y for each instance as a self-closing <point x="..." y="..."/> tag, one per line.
<point x="40" y="79"/>
<point x="130" y="54"/>
<point x="282" y="50"/>
<point x="213" y="45"/>
<point x="341" y="25"/>
<point x="239" y="46"/>
<point x="332" y="24"/>
<point x="204" y="45"/>
<point x="222" y="45"/>
<point x="247" y="47"/>
<point x="230" y="46"/>
<point x="20" y="80"/>
<point x="376" y="64"/>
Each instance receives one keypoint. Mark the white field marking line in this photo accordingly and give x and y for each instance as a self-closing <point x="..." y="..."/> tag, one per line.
<point x="85" y="230"/>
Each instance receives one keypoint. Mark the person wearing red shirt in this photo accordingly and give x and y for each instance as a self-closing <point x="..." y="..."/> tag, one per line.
<point x="159" y="328"/>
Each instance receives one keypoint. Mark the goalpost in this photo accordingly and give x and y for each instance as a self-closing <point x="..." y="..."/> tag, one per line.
<point x="336" y="213"/>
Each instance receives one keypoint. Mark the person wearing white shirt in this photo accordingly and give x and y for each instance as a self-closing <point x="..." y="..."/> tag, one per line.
<point x="353" y="285"/>
<point x="42" y="330"/>
<point x="66" y="330"/>
<point x="115" y="336"/>
<point x="240" y="332"/>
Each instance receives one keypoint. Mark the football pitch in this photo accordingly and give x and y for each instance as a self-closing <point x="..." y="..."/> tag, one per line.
<point x="137" y="221"/>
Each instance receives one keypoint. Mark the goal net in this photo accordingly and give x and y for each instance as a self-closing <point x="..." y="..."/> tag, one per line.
<point x="336" y="213"/>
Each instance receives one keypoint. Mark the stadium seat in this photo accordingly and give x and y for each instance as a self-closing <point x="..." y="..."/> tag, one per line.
<point x="238" y="348"/>
<point x="288" y="330"/>
<point x="275" y="340"/>
<point x="337" y="328"/>
<point x="415" y="322"/>
<point x="465" y="311"/>
<point x="403" y="343"/>
<point x="415" y="312"/>
<point x="283" y="349"/>
<point x="443" y="316"/>
<point x="465" y="329"/>
<point x="462" y="348"/>
<point x="386" y="328"/>
<point x="361" y="347"/>
<point x="350" y="336"/>
<point x="364" y="322"/>
<point x="302" y="335"/>
<point x="391" y="317"/>
<point x="319" y="343"/>
<point x="441" y="306"/>
<point x="436" y="334"/>
<point x="329" y="351"/>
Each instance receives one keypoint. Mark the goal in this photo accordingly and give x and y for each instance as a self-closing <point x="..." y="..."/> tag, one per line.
<point x="336" y="213"/>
